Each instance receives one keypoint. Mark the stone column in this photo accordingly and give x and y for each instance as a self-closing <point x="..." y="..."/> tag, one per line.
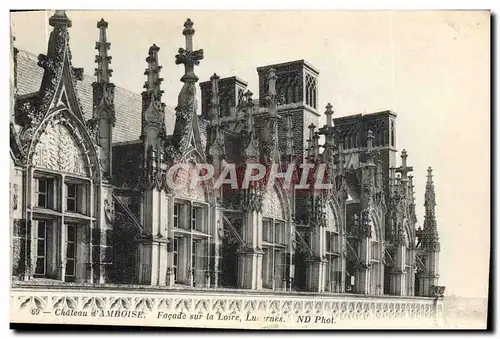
<point x="398" y="274"/>
<point x="216" y="245"/>
<point x="170" y="235"/>
<point x="62" y="232"/>
<point x="250" y="256"/>
<point x="315" y="267"/>
<point x="362" y="275"/>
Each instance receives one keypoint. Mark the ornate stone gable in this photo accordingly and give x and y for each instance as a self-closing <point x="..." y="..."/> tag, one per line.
<point x="58" y="150"/>
<point x="58" y="87"/>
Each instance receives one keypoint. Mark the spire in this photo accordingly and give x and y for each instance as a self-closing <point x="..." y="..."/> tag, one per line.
<point x="328" y="131"/>
<point x="251" y="149"/>
<point x="103" y="72"/>
<point x="103" y="118"/>
<point x="103" y="89"/>
<point x="272" y="96"/>
<point x="186" y="130"/>
<point x="271" y="147"/>
<point x="430" y="202"/>
<point x="188" y="56"/>
<point x="369" y="149"/>
<point x="153" y="108"/>
<point x="31" y="109"/>
<point x="217" y="149"/>
<point x="429" y="234"/>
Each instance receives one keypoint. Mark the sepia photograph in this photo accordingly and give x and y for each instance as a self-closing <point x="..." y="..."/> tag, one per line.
<point x="230" y="169"/>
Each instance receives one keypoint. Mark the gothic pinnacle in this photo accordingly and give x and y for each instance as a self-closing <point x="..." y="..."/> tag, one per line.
<point x="103" y="72"/>
<point x="215" y="98"/>
<point x="188" y="56"/>
<point x="153" y="81"/>
<point x="369" y="140"/>
<point x="103" y="89"/>
<point x="329" y="112"/>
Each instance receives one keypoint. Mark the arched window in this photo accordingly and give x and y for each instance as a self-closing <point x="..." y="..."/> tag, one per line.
<point x="381" y="137"/>
<point x="310" y="90"/>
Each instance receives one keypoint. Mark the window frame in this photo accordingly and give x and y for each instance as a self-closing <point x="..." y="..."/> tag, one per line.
<point x="38" y="239"/>
<point x="75" y="199"/>
<point x="74" y="242"/>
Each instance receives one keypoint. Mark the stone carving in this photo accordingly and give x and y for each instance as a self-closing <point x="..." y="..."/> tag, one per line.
<point x="331" y="221"/>
<point x="58" y="150"/>
<point x="272" y="205"/>
<point x="109" y="212"/>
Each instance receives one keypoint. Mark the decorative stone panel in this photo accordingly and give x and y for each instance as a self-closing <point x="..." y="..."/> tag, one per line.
<point x="57" y="150"/>
<point x="272" y="205"/>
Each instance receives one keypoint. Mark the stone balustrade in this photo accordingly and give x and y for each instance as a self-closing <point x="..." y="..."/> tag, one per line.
<point x="222" y="308"/>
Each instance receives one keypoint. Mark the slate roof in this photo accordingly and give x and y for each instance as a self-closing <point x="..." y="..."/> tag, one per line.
<point x="128" y="105"/>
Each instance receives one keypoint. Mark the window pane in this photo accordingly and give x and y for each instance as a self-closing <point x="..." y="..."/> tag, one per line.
<point x="42" y="185"/>
<point x="41" y="230"/>
<point x="71" y="205"/>
<point x="70" y="267"/>
<point x="40" y="266"/>
<point x="40" y="248"/>
<point x="42" y="201"/>
<point x="71" y="190"/>
<point x="70" y="250"/>
<point x="71" y="233"/>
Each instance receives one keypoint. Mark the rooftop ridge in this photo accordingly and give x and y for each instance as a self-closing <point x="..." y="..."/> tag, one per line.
<point x="33" y="57"/>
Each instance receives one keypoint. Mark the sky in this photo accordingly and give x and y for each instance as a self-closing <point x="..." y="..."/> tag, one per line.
<point x="431" y="68"/>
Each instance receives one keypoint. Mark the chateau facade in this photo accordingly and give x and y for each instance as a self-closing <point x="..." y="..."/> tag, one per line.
<point x="90" y="200"/>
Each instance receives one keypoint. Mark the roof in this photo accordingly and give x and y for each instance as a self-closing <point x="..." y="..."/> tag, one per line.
<point x="128" y="105"/>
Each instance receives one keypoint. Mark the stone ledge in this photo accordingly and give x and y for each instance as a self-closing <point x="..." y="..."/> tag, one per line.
<point x="48" y="285"/>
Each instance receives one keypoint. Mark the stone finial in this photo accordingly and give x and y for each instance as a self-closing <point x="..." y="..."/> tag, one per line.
<point x="404" y="157"/>
<point x="153" y="82"/>
<point x="248" y="99"/>
<point x="188" y="27"/>
<point x="215" y="97"/>
<point x="59" y="18"/>
<point x="329" y="112"/>
<point x="188" y="56"/>
<point x="369" y="140"/>
<point x="429" y="175"/>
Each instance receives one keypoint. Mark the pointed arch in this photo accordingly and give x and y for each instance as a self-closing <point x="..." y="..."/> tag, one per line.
<point x="337" y="214"/>
<point x="77" y="130"/>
